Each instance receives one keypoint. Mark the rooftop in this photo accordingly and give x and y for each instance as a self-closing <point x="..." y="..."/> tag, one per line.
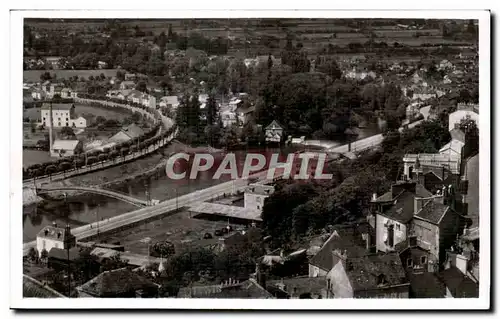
<point x="65" y="144"/>
<point x="32" y="288"/>
<point x="59" y="253"/>
<point x="259" y="189"/>
<point x="116" y="282"/>
<point x="347" y="238"/>
<point x="460" y="285"/>
<point x="433" y="211"/>
<point x="246" y="289"/>
<point x="133" y="131"/>
<point x="53" y="232"/>
<point x="58" y="106"/>
<point x="374" y="271"/>
<point x="426" y="285"/>
<point x="301" y="285"/>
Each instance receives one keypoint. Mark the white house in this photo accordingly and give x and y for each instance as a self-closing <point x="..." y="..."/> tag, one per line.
<point x="54" y="237"/>
<point x="63" y="114"/>
<point x="255" y="194"/>
<point x="228" y="118"/>
<point x="148" y="101"/>
<point x="102" y="65"/>
<point x="66" y="93"/>
<point x="63" y="148"/>
<point x="127" y="85"/>
<point x="171" y="102"/>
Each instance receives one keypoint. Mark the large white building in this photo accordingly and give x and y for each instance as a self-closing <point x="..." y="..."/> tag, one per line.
<point x="54" y="237"/>
<point x="255" y="194"/>
<point x="63" y="148"/>
<point x="63" y="114"/>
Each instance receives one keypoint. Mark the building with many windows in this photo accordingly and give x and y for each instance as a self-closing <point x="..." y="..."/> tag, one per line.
<point x="63" y="114"/>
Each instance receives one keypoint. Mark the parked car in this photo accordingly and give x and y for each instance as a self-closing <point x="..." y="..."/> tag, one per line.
<point x="207" y="236"/>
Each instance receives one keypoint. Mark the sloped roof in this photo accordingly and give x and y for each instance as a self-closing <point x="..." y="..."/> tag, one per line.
<point x="459" y="284"/>
<point x="274" y="125"/>
<point x="453" y="145"/>
<point x="426" y="285"/>
<point x="65" y="144"/>
<point x="347" y="237"/>
<point x="403" y="208"/>
<point x="133" y="131"/>
<point x="32" y="288"/>
<point x="433" y="211"/>
<point x="301" y="285"/>
<point x="116" y="282"/>
<point x="364" y="272"/>
<point x="246" y="289"/>
<point x="60" y="253"/>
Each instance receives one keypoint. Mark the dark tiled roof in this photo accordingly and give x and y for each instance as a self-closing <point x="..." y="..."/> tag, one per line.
<point x="403" y="208"/>
<point x="57" y="106"/>
<point x="365" y="272"/>
<point x="245" y="289"/>
<point x="116" y="282"/>
<point x="55" y="233"/>
<point x="301" y="285"/>
<point x="347" y="238"/>
<point x="459" y="284"/>
<point x="60" y="253"/>
<point x="34" y="289"/>
<point x="426" y="285"/>
<point x="433" y="211"/>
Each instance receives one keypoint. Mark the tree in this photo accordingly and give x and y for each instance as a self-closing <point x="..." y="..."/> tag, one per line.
<point x="212" y="110"/>
<point x="32" y="254"/>
<point x="330" y="67"/>
<point x="141" y="86"/>
<point x="67" y="133"/>
<point x="163" y="249"/>
<point x="115" y="262"/>
<point x="50" y="169"/>
<point x="64" y="166"/>
<point x="45" y="76"/>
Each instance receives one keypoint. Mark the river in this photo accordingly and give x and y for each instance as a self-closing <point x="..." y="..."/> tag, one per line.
<point x="82" y="210"/>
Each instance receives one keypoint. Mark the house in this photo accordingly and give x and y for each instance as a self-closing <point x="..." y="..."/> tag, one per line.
<point x="54" y="237"/>
<point x="170" y="102"/>
<point x="203" y="98"/>
<point x="60" y="258"/>
<point x="53" y="61"/>
<point x="415" y="259"/>
<point x="299" y="288"/>
<point x="135" y="97"/>
<point x="118" y="283"/>
<point x="255" y="194"/>
<point x="148" y="101"/>
<point x="63" y="114"/>
<point x="66" y="93"/>
<point x="127" y="133"/>
<point x="355" y="239"/>
<point x="371" y="276"/>
<point x="38" y="94"/>
<point x="470" y="111"/>
<point x="228" y="118"/>
<point x="245" y="114"/>
<point x="64" y="148"/>
<point x="127" y="85"/>
<point x="230" y="289"/>
<point x="393" y="213"/>
<point x="274" y="132"/>
<point x="102" y="65"/>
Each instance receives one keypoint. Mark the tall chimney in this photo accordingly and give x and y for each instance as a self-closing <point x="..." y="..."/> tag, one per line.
<point x="50" y="128"/>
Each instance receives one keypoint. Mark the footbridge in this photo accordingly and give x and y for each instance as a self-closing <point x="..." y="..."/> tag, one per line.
<point x="97" y="190"/>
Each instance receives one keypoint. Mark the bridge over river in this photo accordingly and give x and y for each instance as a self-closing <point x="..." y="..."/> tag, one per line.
<point x="96" y="190"/>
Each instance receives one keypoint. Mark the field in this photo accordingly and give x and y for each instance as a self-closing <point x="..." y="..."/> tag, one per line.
<point x="31" y="157"/>
<point x="34" y="75"/>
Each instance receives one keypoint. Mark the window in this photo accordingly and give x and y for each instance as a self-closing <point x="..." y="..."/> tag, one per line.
<point x="398" y="227"/>
<point x="44" y="119"/>
<point x="409" y="262"/>
<point x="423" y="260"/>
<point x="259" y="200"/>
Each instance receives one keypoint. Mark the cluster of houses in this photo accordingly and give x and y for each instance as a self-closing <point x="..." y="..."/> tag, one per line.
<point x="47" y="90"/>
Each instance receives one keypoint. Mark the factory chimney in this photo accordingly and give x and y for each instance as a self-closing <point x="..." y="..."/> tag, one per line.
<point x="51" y="124"/>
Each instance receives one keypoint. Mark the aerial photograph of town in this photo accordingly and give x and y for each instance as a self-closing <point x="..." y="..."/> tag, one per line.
<point x="256" y="158"/>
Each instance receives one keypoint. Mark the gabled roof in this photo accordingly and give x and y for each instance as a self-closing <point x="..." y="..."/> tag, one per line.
<point x="65" y="144"/>
<point x="402" y="210"/>
<point x="460" y="285"/>
<point x="246" y="289"/>
<point x="133" y="131"/>
<point x="433" y="211"/>
<point x="367" y="271"/>
<point x="116" y="282"/>
<point x="300" y="285"/>
<point x="344" y="238"/>
<point x="274" y="126"/>
<point x="53" y="232"/>
<point x="426" y="285"/>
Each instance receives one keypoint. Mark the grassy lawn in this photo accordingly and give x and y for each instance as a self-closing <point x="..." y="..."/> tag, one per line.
<point x="34" y="75"/>
<point x="31" y="157"/>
